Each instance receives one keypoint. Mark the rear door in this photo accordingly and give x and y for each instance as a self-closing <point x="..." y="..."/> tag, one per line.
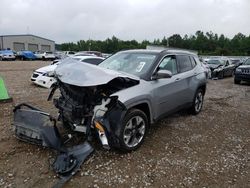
<point x="187" y="77"/>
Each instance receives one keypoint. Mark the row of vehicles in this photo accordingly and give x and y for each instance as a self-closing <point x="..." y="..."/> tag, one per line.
<point x="26" y="55"/>
<point x="220" y="67"/>
<point x="48" y="55"/>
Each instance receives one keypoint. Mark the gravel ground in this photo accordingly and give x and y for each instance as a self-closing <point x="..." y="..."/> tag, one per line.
<point x="211" y="149"/>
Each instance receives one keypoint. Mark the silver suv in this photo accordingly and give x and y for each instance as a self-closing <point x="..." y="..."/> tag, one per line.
<point x="118" y="99"/>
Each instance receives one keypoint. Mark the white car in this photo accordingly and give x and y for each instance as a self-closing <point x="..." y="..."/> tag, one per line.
<point x="45" y="55"/>
<point x="95" y="60"/>
<point x="45" y="76"/>
<point x="69" y="53"/>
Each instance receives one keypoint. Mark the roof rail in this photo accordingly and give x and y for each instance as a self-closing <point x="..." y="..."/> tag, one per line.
<point x="163" y="48"/>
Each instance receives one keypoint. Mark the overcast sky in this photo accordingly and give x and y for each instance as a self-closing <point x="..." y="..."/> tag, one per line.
<point x="72" y="20"/>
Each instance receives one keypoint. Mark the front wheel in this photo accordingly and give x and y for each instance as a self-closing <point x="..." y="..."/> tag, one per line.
<point x="221" y="75"/>
<point x="197" y="102"/>
<point x="133" y="131"/>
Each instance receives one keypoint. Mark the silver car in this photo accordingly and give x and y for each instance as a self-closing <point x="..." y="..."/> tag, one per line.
<point x="115" y="101"/>
<point x="127" y="92"/>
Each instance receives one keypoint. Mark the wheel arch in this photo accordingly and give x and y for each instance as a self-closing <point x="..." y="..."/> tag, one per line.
<point x="145" y="107"/>
<point x="203" y="87"/>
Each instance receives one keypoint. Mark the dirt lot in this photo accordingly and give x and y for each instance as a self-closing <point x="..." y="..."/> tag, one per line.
<point x="211" y="149"/>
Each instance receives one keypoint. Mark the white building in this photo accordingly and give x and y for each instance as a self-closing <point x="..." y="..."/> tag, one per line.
<point x="26" y="42"/>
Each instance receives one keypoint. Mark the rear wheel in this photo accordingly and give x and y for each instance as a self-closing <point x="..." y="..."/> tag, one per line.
<point x="197" y="102"/>
<point x="133" y="131"/>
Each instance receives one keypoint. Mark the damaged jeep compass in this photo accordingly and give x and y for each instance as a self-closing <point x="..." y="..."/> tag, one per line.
<point x="119" y="99"/>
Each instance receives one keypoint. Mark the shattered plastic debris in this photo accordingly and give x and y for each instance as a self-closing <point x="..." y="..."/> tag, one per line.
<point x="37" y="127"/>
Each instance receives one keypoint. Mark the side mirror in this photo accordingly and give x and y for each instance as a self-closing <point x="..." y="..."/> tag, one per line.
<point x="162" y="74"/>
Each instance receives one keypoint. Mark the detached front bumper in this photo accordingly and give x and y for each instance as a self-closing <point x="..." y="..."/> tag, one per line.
<point x="37" y="127"/>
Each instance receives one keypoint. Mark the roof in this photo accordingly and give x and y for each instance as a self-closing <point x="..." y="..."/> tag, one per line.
<point x="26" y="35"/>
<point x="165" y="50"/>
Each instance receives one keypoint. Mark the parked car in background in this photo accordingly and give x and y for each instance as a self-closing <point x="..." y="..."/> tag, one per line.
<point x="242" y="73"/>
<point x="25" y="55"/>
<point x="69" y="53"/>
<point x="94" y="60"/>
<point x="206" y="68"/>
<point x="221" y="67"/>
<point x="38" y="55"/>
<point x="45" y="76"/>
<point x="60" y="55"/>
<point x="48" y="56"/>
<point x="96" y="53"/>
<point x="236" y="61"/>
<point x="7" y="55"/>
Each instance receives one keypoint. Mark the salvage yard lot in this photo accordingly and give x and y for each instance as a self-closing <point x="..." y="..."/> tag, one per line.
<point x="211" y="149"/>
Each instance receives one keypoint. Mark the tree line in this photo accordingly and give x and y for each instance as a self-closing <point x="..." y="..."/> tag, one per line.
<point x="205" y="43"/>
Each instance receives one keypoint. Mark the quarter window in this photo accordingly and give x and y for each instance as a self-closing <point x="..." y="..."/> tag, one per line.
<point x="193" y="61"/>
<point x="184" y="63"/>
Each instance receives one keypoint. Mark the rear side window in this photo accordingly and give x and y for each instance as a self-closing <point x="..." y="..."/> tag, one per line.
<point x="193" y="61"/>
<point x="184" y="63"/>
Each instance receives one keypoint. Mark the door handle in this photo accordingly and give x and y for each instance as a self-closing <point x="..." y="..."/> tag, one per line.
<point x="195" y="73"/>
<point x="177" y="79"/>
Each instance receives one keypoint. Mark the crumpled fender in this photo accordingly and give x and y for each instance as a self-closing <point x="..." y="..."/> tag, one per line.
<point x="112" y="123"/>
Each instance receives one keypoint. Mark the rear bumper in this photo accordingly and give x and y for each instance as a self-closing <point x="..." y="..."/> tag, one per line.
<point x="8" y="57"/>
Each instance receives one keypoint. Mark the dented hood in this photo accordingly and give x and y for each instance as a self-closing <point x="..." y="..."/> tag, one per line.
<point x="83" y="74"/>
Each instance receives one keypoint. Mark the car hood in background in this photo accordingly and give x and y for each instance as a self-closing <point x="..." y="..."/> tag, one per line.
<point x="84" y="74"/>
<point x="244" y="67"/>
<point x="213" y="66"/>
<point x="48" y="68"/>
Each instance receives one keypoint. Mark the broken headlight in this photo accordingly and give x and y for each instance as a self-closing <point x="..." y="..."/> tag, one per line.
<point x="49" y="74"/>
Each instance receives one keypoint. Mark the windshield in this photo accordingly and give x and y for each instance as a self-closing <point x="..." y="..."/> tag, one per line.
<point x="247" y="62"/>
<point x="130" y="62"/>
<point x="214" y="62"/>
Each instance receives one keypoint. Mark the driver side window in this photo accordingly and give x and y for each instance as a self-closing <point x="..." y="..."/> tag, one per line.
<point x="169" y="63"/>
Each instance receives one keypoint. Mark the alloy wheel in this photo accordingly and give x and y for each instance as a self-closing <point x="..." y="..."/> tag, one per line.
<point x="134" y="131"/>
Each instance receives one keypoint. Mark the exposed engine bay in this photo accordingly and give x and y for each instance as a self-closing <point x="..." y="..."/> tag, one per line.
<point x="91" y="111"/>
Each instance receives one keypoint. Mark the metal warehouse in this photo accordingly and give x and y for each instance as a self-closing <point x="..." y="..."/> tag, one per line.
<point x="26" y="42"/>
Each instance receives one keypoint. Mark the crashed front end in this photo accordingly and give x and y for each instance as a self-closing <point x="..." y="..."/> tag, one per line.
<point x="87" y="108"/>
<point x="90" y="110"/>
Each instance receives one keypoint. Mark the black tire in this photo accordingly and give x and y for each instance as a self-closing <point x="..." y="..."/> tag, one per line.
<point x="43" y="58"/>
<point x="199" y="95"/>
<point x="1" y="59"/>
<point x="221" y="75"/>
<point x="132" y="138"/>
<point x="236" y="81"/>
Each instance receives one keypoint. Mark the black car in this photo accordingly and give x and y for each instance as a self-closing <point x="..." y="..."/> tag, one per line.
<point x="236" y="61"/>
<point x="242" y="73"/>
<point x="221" y="67"/>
